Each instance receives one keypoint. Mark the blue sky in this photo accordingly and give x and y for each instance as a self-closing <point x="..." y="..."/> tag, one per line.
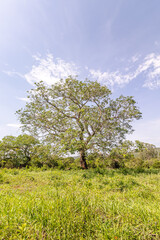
<point x="116" y="42"/>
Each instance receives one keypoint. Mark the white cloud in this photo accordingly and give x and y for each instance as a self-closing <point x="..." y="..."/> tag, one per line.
<point x="23" y="99"/>
<point x="13" y="125"/>
<point x="135" y="58"/>
<point x="13" y="73"/>
<point x="50" y="70"/>
<point x="150" y="67"/>
<point x="112" y="78"/>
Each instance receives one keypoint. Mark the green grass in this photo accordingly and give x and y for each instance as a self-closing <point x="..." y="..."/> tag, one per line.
<point x="78" y="204"/>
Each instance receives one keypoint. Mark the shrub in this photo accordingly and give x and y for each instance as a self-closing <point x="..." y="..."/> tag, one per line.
<point x="156" y="164"/>
<point x="96" y="160"/>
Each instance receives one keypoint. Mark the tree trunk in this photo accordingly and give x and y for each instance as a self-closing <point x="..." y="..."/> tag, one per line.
<point x="83" y="159"/>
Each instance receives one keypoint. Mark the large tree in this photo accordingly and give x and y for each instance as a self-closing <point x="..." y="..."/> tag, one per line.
<point x="78" y="116"/>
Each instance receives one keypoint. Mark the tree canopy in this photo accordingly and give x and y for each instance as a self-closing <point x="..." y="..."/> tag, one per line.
<point x="17" y="151"/>
<point x="78" y="116"/>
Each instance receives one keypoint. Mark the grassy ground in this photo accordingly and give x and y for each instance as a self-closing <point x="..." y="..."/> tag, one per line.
<point x="79" y="204"/>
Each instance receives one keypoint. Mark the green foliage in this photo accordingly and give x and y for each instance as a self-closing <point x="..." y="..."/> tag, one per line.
<point x="122" y="154"/>
<point x="8" y="152"/>
<point x="145" y="150"/>
<point x="96" y="160"/>
<point x="17" y="151"/>
<point x="43" y="156"/>
<point x="134" y="155"/>
<point x="156" y="164"/>
<point x="27" y="151"/>
<point x="151" y="163"/>
<point x="78" y="116"/>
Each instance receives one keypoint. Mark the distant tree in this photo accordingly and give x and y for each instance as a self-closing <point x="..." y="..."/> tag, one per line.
<point x="25" y="148"/>
<point x="8" y="152"/>
<point x="122" y="154"/>
<point x="17" y="151"/>
<point x="44" y="156"/>
<point x="78" y="116"/>
<point x="145" y="150"/>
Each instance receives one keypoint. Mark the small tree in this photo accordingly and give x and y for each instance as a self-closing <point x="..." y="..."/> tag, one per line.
<point x="78" y="116"/>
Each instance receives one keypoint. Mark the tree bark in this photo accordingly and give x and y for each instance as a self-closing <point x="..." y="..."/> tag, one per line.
<point x="83" y="159"/>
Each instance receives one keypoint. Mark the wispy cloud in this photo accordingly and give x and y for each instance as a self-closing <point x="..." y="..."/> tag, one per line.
<point x="50" y="70"/>
<point x="135" y="58"/>
<point x="13" y="73"/>
<point x="149" y="66"/>
<point x="23" y="99"/>
<point x="112" y="78"/>
<point x="152" y="68"/>
<point x="13" y="125"/>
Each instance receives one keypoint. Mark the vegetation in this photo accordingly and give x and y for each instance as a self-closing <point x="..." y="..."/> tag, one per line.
<point x="26" y="151"/>
<point x="76" y="116"/>
<point x="117" y="198"/>
<point x="79" y="204"/>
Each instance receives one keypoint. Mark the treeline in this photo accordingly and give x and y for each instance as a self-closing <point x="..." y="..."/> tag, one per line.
<point x="27" y="151"/>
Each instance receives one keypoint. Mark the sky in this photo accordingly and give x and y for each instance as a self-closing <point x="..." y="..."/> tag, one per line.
<point x="116" y="42"/>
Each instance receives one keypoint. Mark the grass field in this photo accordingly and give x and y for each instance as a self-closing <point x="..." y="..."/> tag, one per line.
<point x="78" y="204"/>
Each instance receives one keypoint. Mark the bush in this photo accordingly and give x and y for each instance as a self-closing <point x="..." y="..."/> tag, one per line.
<point x="156" y="164"/>
<point x="135" y="163"/>
<point x="116" y="163"/>
<point x="96" y="160"/>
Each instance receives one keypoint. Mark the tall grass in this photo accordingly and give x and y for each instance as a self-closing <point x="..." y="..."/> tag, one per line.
<point x="78" y="204"/>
